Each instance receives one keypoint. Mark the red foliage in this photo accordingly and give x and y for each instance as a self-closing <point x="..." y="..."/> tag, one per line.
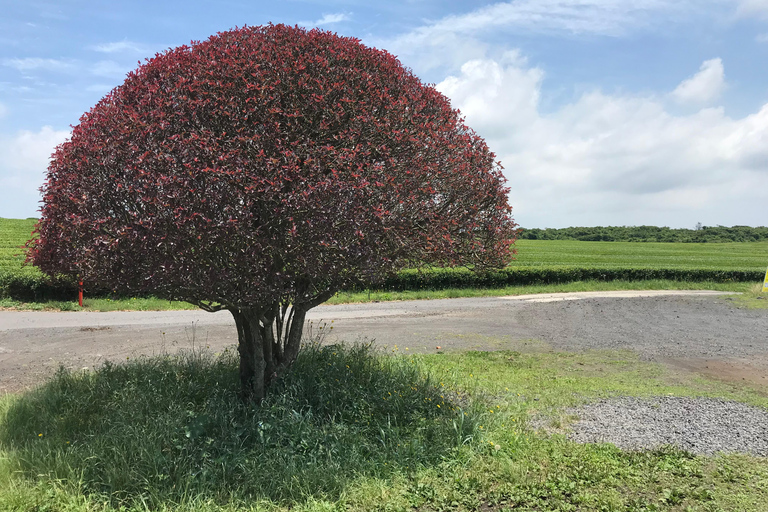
<point x="264" y="167"/>
<point x="269" y="164"/>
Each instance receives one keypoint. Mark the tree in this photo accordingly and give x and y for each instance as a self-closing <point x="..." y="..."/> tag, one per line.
<point x="261" y="171"/>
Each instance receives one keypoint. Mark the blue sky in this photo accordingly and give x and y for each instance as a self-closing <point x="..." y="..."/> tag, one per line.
<point x="602" y="112"/>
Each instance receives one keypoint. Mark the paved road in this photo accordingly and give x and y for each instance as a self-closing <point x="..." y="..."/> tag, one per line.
<point x="692" y="330"/>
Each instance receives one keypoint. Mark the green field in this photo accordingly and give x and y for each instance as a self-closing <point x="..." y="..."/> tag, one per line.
<point x="13" y="234"/>
<point x="539" y="265"/>
<point x="724" y="256"/>
<point x="727" y="256"/>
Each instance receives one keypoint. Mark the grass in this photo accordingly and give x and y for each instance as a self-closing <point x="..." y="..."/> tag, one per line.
<point x="753" y="298"/>
<point x="742" y="255"/>
<point x="723" y="256"/>
<point x="99" y="304"/>
<point x="155" y="304"/>
<point x="577" y="286"/>
<point x="351" y="429"/>
<point x="13" y="235"/>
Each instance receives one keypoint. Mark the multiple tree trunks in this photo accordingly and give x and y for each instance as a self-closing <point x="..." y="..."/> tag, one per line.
<point x="269" y="340"/>
<point x="266" y="167"/>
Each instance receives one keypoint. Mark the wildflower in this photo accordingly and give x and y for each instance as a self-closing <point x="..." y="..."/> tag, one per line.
<point x="40" y="435"/>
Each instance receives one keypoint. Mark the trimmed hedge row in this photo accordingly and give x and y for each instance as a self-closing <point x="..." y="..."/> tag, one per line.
<point x="36" y="287"/>
<point x="442" y="278"/>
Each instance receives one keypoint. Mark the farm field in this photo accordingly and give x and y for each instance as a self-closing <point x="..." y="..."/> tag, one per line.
<point x="540" y="266"/>
<point x="13" y="234"/>
<point x="723" y="256"/>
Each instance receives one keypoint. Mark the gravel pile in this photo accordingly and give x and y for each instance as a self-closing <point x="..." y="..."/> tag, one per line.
<point x="703" y="426"/>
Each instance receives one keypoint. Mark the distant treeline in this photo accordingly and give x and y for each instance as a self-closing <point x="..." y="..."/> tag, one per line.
<point x="649" y="234"/>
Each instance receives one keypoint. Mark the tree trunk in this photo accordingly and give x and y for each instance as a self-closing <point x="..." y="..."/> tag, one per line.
<point x="251" y="348"/>
<point x="293" y="337"/>
<point x="268" y="341"/>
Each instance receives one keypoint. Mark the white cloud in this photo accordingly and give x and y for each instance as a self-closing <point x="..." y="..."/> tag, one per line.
<point x="119" y="46"/>
<point x="605" y="17"/>
<point x="612" y="158"/>
<point x="704" y="86"/>
<point x="327" y="19"/>
<point x="24" y="158"/>
<point x="453" y="40"/>
<point x="109" y="68"/>
<point x="30" y="64"/>
<point x="486" y="82"/>
<point x="751" y="8"/>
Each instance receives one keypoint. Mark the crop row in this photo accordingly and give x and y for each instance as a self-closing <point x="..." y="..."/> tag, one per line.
<point x="35" y="286"/>
<point x="444" y="278"/>
<point x="738" y="255"/>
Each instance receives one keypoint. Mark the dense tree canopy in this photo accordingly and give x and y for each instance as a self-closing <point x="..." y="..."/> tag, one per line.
<point x="262" y="170"/>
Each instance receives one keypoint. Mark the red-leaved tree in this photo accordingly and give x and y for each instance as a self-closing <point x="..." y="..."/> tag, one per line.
<point x="263" y="170"/>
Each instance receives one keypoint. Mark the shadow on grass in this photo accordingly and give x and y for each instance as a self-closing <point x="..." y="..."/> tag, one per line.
<point x="170" y="429"/>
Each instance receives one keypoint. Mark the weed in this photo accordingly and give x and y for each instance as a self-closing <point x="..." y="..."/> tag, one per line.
<point x="352" y="429"/>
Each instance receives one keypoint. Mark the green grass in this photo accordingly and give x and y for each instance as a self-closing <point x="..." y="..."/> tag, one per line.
<point x="350" y="429"/>
<point x="753" y="298"/>
<point x="14" y="233"/>
<point x="723" y="256"/>
<point x="99" y="304"/>
<point x="743" y="255"/>
<point x="577" y="286"/>
<point x="154" y="304"/>
<point x="531" y="253"/>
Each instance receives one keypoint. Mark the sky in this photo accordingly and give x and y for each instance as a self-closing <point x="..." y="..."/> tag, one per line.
<point x="602" y="112"/>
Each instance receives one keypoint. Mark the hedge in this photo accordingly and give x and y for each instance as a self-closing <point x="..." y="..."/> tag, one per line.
<point x="442" y="278"/>
<point x="37" y="287"/>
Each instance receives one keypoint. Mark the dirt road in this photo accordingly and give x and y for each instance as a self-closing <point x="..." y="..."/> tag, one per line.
<point x="700" y="331"/>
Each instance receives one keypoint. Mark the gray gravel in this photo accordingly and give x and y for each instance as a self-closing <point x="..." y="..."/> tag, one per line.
<point x="703" y="426"/>
<point x="658" y="328"/>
